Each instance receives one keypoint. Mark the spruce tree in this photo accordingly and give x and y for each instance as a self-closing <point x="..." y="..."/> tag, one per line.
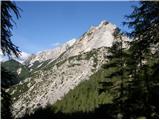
<point x="7" y="46"/>
<point x="116" y="80"/>
<point x="9" y="49"/>
<point x="144" y="50"/>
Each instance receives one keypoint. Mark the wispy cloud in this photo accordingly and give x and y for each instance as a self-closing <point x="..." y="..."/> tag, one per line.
<point x="23" y="56"/>
<point x="56" y="44"/>
<point x="3" y="58"/>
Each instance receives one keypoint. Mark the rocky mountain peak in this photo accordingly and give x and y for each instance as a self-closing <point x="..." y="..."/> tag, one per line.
<point x="61" y="69"/>
<point x="96" y="37"/>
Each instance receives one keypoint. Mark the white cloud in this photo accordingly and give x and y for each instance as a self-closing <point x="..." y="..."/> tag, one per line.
<point x="3" y="58"/>
<point x="21" y="58"/>
<point x="56" y="44"/>
<point x="24" y="55"/>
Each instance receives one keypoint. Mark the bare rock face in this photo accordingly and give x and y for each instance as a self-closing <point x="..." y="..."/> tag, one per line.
<point x="95" y="37"/>
<point x="50" y="54"/>
<point x="62" y="69"/>
<point x="48" y="85"/>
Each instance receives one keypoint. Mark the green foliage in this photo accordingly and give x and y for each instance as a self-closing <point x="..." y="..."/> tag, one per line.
<point x="8" y="9"/>
<point x="12" y="66"/>
<point x="40" y="65"/>
<point x="72" y="65"/>
<point x="90" y="54"/>
<point x="89" y="33"/>
<point x="128" y="84"/>
<point x="18" y="90"/>
<point x="8" y="78"/>
<point x="60" y="63"/>
<point x="135" y="70"/>
<point x="6" y="103"/>
<point x="85" y="96"/>
<point x="35" y="64"/>
<point x="145" y="21"/>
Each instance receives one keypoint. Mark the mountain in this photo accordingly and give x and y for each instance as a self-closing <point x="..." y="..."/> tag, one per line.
<point x="94" y="38"/>
<point x="49" y="54"/>
<point x="16" y="68"/>
<point x="55" y="72"/>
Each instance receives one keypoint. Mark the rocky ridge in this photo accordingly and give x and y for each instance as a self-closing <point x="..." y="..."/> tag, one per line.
<point x="53" y="76"/>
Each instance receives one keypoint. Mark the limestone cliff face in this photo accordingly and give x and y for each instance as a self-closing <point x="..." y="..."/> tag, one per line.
<point x="62" y="69"/>
<point x="95" y="37"/>
<point x="50" y="84"/>
<point x="49" y="54"/>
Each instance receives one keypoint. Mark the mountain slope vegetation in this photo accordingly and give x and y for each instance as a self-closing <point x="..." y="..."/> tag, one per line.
<point x="103" y="74"/>
<point x="16" y="68"/>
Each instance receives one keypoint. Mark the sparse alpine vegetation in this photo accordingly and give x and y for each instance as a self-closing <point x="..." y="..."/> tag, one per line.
<point x="51" y="79"/>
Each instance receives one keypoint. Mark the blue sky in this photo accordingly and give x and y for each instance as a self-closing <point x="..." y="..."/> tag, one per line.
<point x="44" y="25"/>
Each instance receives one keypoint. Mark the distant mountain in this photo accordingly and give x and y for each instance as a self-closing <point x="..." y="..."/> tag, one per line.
<point x="49" y="54"/>
<point x="57" y="71"/>
<point x="17" y="68"/>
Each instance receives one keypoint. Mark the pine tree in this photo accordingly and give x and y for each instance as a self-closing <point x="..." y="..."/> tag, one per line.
<point x="144" y="50"/>
<point x="7" y="46"/>
<point x="117" y="78"/>
<point x="140" y="65"/>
